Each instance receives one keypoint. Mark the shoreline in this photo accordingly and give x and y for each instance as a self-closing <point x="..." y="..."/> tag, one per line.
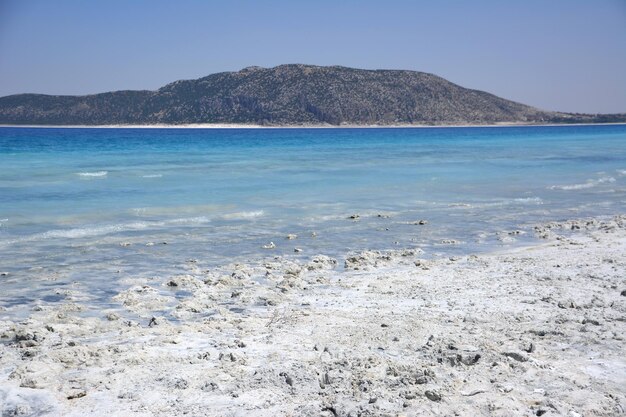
<point x="250" y="126"/>
<point x="532" y="330"/>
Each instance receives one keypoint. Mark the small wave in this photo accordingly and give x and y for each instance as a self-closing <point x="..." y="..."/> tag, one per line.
<point x="328" y="217"/>
<point x="573" y="186"/>
<point x="152" y="176"/>
<point x="95" y="231"/>
<point x="190" y="220"/>
<point x="529" y="200"/>
<point x="498" y="203"/>
<point x="582" y="186"/>
<point x="93" y="174"/>
<point x="83" y="232"/>
<point x="244" y="215"/>
<point x="621" y="172"/>
<point x="177" y="211"/>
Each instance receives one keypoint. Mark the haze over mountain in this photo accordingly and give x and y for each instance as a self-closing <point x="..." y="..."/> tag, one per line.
<point x="288" y="95"/>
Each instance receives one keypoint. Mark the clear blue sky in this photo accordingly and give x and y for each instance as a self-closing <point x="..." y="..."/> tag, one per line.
<point x="565" y="55"/>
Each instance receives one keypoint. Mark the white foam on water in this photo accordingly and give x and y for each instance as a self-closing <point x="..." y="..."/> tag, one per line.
<point x="93" y="174"/>
<point x="621" y="172"/>
<point x="83" y="232"/>
<point x="116" y="228"/>
<point x="243" y="215"/>
<point x="95" y="231"/>
<point x="573" y="186"/>
<point x="191" y="210"/>
<point x="499" y="203"/>
<point x="530" y="200"/>
<point x="152" y="176"/>
<point x="584" y="185"/>
<point x="190" y="220"/>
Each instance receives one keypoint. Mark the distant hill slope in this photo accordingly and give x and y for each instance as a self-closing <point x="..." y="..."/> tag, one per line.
<point x="287" y="95"/>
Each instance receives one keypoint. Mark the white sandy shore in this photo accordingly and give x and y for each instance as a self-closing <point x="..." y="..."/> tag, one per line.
<point x="306" y="126"/>
<point x="535" y="331"/>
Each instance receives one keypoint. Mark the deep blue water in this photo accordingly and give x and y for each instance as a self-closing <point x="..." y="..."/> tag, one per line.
<point x="70" y="197"/>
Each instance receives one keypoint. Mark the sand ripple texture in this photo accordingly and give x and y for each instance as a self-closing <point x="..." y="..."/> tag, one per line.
<point x="534" y="331"/>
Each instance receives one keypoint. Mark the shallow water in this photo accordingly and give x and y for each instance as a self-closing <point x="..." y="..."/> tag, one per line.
<point x="79" y="205"/>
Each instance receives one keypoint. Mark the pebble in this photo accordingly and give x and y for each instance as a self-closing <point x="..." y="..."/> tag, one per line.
<point x="421" y="264"/>
<point x="79" y="394"/>
<point x="321" y="262"/>
<point x="229" y="356"/>
<point x="113" y="316"/>
<point x="424" y="376"/>
<point x="297" y="250"/>
<point x="516" y="356"/>
<point x="474" y="392"/>
<point x="288" y="379"/>
<point x="433" y="396"/>
<point x="24" y="336"/>
<point x="422" y="379"/>
<point x="469" y="359"/>
<point x="291" y="237"/>
<point x="449" y="242"/>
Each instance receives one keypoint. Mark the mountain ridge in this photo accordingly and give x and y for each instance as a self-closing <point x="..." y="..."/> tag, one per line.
<point x="289" y="95"/>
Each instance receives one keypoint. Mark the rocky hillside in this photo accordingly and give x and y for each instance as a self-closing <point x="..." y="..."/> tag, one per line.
<point x="286" y="95"/>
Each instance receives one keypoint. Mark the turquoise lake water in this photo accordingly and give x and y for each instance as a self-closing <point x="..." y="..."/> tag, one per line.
<point x="81" y="204"/>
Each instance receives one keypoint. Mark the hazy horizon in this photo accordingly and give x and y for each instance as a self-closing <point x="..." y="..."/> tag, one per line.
<point x="563" y="55"/>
